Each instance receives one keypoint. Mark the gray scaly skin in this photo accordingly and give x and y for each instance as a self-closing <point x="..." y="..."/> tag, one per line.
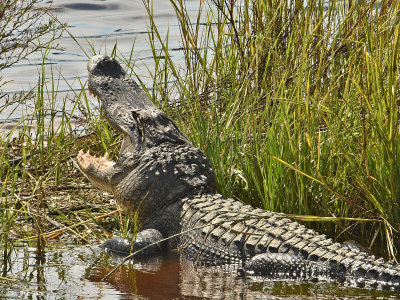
<point x="173" y="185"/>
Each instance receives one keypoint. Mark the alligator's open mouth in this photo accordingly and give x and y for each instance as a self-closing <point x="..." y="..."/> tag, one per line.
<point x="101" y="163"/>
<point x="98" y="169"/>
<point x="85" y="160"/>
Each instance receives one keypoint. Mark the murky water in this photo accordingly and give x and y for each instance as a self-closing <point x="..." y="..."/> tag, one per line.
<point x="73" y="272"/>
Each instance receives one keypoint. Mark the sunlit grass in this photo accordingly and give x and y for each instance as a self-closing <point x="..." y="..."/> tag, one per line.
<point x="296" y="105"/>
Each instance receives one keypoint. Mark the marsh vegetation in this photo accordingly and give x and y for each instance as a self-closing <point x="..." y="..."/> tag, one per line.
<point x="296" y="103"/>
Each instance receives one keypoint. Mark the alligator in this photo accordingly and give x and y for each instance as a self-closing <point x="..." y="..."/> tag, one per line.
<point x="170" y="186"/>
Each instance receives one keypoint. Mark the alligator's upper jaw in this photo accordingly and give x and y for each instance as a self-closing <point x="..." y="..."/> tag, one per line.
<point x="98" y="169"/>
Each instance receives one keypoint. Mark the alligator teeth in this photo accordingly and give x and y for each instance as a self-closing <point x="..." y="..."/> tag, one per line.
<point x="85" y="160"/>
<point x="91" y="93"/>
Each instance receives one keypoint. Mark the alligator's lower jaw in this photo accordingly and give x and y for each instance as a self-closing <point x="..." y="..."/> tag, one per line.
<point x="97" y="169"/>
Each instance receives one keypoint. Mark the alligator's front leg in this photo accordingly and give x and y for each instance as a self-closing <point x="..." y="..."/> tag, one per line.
<point x="147" y="242"/>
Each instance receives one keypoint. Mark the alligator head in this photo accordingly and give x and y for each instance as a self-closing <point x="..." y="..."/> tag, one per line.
<point x="157" y="164"/>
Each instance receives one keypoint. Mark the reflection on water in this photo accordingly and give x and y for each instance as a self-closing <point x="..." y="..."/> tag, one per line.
<point x="54" y="275"/>
<point x="155" y="279"/>
<point x="75" y="272"/>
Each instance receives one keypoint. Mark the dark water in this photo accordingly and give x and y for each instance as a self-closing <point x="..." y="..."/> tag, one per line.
<point x="76" y="272"/>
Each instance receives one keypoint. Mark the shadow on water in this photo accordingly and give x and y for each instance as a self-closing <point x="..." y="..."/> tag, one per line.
<point x="76" y="272"/>
<point x="88" y="6"/>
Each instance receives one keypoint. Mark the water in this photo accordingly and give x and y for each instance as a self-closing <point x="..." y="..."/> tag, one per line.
<point x="76" y="272"/>
<point x="98" y="24"/>
<point x="102" y="24"/>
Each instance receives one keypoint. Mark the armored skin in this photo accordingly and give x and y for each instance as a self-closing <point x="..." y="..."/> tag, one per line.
<point x="171" y="185"/>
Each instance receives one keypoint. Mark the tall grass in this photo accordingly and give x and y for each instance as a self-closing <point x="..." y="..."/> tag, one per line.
<point x="296" y="105"/>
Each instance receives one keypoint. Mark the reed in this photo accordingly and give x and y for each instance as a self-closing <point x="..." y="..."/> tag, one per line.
<point x="296" y="105"/>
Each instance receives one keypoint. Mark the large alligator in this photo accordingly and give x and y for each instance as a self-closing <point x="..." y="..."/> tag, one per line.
<point x="170" y="184"/>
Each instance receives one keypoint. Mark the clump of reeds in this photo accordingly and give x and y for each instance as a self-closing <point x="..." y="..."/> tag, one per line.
<point x="296" y="103"/>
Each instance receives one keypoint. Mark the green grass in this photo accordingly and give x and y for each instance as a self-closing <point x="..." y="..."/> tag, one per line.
<point x="294" y="103"/>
